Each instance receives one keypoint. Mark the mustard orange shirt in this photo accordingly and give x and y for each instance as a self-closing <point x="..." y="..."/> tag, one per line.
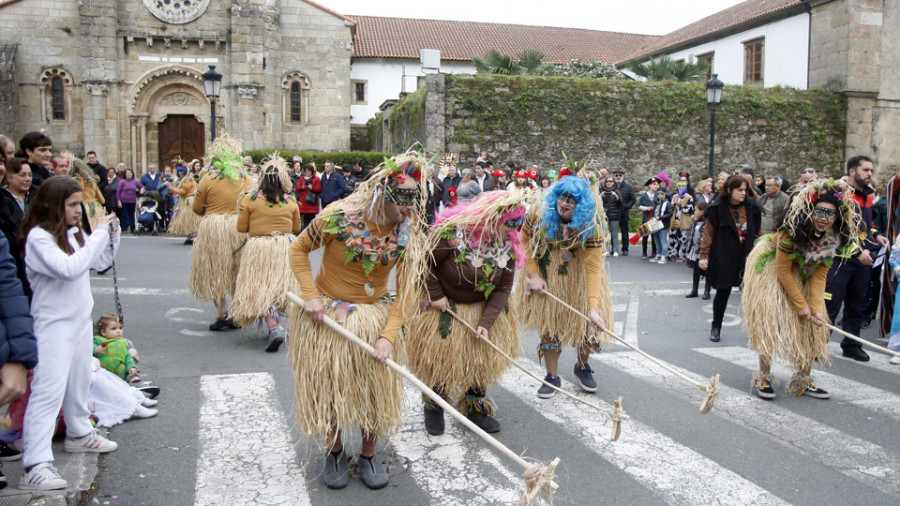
<point x="259" y="218"/>
<point x="219" y="196"/>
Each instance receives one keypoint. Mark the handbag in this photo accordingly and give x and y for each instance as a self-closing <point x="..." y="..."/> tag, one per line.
<point x="311" y="198"/>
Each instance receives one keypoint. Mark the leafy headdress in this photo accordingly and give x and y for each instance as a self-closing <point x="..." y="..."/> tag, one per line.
<point x="224" y="157"/>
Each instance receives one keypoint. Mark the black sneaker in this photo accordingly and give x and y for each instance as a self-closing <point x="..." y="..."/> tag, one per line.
<point x="486" y="423"/>
<point x="765" y="391"/>
<point x="434" y="419"/>
<point x="856" y="353"/>
<point x="813" y="391"/>
<point x="585" y="377"/>
<point x="3" y="482"/>
<point x="546" y="392"/>
<point x="8" y="453"/>
<point x="222" y="323"/>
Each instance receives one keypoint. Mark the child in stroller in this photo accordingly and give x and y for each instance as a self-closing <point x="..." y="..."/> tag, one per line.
<point x="148" y="217"/>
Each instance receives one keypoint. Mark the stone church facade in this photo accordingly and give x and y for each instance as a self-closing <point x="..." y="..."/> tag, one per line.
<point x="124" y="78"/>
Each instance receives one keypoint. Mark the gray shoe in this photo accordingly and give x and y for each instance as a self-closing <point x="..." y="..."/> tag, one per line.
<point x="372" y="472"/>
<point x="546" y="392"/>
<point x="336" y="470"/>
<point x="276" y="337"/>
<point x="585" y="377"/>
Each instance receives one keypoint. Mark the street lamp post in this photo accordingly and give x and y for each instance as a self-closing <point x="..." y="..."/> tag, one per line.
<point x="713" y="97"/>
<point x="212" y="81"/>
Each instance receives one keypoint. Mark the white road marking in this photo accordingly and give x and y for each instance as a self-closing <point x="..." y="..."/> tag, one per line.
<point x="105" y="278"/>
<point x="879" y="360"/>
<point x="140" y="291"/>
<point x="729" y="319"/>
<point x="247" y="456"/>
<point x="840" y="388"/>
<point x="653" y="459"/>
<point x="850" y="455"/>
<point x="172" y="315"/>
<point x="451" y="467"/>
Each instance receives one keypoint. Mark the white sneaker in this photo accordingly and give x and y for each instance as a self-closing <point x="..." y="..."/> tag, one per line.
<point x="142" y="412"/>
<point x="42" y="477"/>
<point x="149" y="403"/>
<point x="895" y="360"/>
<point x="662" y="260"/>
<point x="92" y="443"/>
<point x="615" y="254"/>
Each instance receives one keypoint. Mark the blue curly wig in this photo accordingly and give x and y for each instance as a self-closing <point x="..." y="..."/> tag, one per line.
<point x="582" y="218"/>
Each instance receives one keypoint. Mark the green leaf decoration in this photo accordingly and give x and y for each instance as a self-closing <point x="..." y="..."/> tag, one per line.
<point x="349" y="256"/>
<point x="543" y="261"/>
<point x="445" y="323"/>
<point x="485" y="287"/>
<point x="448" y="233"/>
<point x="460" y="258"/>
<point x="488" y="269"/>
<point x="563" y="269"/>
<point x="368" y="265"/>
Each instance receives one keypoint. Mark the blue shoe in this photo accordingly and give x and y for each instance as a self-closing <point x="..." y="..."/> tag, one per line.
<point x="585" y="377"/>
<point x="546" y="392"/>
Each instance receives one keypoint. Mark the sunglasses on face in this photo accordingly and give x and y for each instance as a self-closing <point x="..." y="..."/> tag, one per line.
<point x="565" y="198"/>
<point x="401" y="196"/>
<point x="514" y="223"/>
<point x="824" y="213"/>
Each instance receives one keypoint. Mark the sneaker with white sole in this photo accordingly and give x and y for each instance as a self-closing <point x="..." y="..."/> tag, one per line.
<point x="895" y="360"/>
<point x="8" y="453"/>
<point x="546" y="392"/>
<point x="813" y="391"/>
<point x="42" y="477"/>
<point x="585" y="377"/>
<point x="662" y="260"/>
<point x="142" y="412"/>
<point x="149" y="403"/>
<point x="92" y="443"/>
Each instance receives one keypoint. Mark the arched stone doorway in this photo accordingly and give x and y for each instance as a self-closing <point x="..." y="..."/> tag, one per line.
<point x="169" y="116"/>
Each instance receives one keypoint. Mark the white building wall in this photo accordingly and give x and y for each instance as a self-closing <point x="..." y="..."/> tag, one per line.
<point x="785" y="56"/>
<point x="387" y="78"/>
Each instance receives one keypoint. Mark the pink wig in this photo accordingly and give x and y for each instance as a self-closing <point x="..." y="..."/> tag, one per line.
<point x="484" y="227"/>
<point x="665" y="178"/>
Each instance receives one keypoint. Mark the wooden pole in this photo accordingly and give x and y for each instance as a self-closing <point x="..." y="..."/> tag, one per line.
<point x="859" y="340"/>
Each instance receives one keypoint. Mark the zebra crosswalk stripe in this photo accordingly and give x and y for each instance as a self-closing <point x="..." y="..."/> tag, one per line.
<point x="653" y="459"/>
<point x="848" y="454"/>
<point x="246" y="454"/>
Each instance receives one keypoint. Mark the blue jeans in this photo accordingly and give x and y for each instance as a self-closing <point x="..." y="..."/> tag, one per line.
<point x="660" y="239"/>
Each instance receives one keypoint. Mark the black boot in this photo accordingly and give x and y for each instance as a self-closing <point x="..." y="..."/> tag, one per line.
<point x="434" y="419"/>
<point x="692" y="295"/>
<point x="486" y="423"/>
<point x="479" y="409"/>
<point x="706" y="293"/>
<point x="714" y="334"/>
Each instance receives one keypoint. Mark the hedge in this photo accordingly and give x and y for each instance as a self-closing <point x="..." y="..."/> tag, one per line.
<point x="340" y="158"/>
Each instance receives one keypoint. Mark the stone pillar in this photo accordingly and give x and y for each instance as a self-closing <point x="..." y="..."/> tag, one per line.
<point x="7" y="87"/>
<point x="99" y="57"/>
<point x="435" y="140"/>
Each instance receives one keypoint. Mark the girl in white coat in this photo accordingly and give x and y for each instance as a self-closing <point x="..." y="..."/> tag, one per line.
<point x="57" y="260"/>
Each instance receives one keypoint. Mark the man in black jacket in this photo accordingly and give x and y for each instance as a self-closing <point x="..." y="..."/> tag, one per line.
<point x="848" y="278"/>
<point x="451" y="180"/>
<point x="627" y="197"/>
<point x="98" y="168"/>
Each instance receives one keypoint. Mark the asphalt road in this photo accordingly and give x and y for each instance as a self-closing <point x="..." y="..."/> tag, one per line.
<point x="225" y="433"/>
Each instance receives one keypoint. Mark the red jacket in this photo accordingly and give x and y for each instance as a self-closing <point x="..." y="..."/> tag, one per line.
<point x="302" y="190"/>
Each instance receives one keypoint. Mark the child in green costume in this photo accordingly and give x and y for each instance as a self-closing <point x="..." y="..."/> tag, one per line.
<point x="112" y="350"/>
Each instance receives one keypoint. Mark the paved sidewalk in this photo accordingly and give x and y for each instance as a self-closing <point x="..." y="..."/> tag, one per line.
<point x="79" y="469"/>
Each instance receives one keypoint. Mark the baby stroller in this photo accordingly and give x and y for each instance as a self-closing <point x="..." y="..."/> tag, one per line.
<point x="148" y="218"/>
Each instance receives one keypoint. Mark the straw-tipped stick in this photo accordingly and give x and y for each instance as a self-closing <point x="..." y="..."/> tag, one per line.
<point x="860" y="340"/>
<point x="617" y="414"/>
<point x="538" y="478"/>
<point x="711" y="387"/>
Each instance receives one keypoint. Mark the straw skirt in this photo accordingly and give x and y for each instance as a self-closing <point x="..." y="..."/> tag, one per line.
<point x="95" y="211"/>
<point x="337" y="382"/>
<point x="461" y="361"/>
<point x="264" y="276"/>
<point x="185" y="221"/>
<point x="551" y="318"/>
<point x="214" y="260"/>
<point x="775" y="330"/>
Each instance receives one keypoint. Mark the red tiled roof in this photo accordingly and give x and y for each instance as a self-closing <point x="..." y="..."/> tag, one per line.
<point x="730" y="18"/>
<point x="459" y="40"/>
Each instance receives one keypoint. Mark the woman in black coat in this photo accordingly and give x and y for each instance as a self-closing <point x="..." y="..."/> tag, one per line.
<point x="732" y="224"/>
<point x="612" y="205"/>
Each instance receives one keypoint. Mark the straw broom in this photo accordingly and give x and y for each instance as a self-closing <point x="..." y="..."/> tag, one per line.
<point x="538" y="478"/>
<point x="859" y="340"/>
<point x="711" y="387"/>
<point x="617" y="414"/>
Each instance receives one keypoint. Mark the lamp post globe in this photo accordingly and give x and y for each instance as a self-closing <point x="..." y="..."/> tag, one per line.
<point x="212" y="82"/>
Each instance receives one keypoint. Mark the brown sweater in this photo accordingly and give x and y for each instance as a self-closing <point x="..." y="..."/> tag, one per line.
<point x="258" y="219"/>
<point x="90" y="192"/>
<point x="341" y="281"/>
<point x="219" y="196"/>
<point x="457" y="282"/>
<point x="785" y="265"/>
<point x="185" y="188"/>
<point x="592" y="249"/>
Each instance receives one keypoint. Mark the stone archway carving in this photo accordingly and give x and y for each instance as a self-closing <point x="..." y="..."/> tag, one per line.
<point x="159" y="93"/>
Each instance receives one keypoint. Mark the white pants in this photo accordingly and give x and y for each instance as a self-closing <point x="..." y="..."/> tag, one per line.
<point x="62" y="378"/>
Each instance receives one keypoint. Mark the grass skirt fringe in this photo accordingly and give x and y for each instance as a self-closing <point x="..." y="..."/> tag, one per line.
<point x="263" y="278"/>
<point x="95" y="211"/>
<point x="775" y="330"/>
<point x="551" y="318"/>
<point x="336" y="381"/>
<point x="461" y="361"/>
<point x="185" y="221"/>
<point x="213" y="261"/>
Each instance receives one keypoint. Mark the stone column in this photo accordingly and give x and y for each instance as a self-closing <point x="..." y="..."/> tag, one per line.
<point x="435" y="140"/>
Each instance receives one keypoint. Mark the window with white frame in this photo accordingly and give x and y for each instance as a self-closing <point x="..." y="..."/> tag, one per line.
<point x="753" y="61"/>
<point x="55" y="94"/>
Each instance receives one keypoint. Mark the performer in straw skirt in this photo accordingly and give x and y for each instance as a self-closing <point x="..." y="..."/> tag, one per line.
<point x="784" y="284"/>
<point x="214" y="258"/>
<point x="337" y="385"/>
<point x="564" y="255"/>
<point x="271" y="216"/>
<point x="186" y="221"/>
<point x="92" y="197"/>
<point x="475" y="253"/>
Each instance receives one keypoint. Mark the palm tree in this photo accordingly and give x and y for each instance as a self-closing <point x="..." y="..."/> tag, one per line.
<point x="666" y="69"/>
<point x="528" y="62"/>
